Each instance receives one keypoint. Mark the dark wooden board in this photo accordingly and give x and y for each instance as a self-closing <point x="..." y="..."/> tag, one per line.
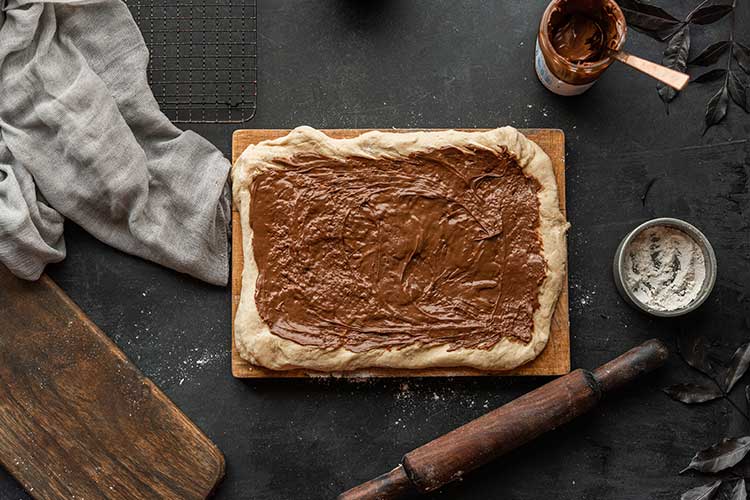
<point x="554" y="360"/>
<point x="77" y="418"/>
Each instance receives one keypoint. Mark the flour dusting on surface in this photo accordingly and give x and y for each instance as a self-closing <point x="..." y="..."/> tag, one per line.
<point x="664" y="268"/>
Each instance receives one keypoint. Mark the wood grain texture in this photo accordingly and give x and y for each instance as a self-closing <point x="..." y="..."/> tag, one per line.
<point x="391" y="485"/>
<point x="77" y="418"/>
<point x="450" y="456"/>
<point x="453" y="455"/>
<point x="554" y="360"/>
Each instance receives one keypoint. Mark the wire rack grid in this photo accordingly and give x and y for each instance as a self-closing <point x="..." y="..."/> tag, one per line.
<point x="203" y="57"/>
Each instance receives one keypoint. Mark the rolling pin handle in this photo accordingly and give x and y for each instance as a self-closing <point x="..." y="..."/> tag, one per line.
<point x="393" y="485"/>
<point x="628" y="366"/>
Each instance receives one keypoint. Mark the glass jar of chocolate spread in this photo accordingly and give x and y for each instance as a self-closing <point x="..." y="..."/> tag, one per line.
<point x="575" y="43"/>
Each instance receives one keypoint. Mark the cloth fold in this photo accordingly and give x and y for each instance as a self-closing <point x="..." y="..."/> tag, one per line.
<point x="82" y="137"/>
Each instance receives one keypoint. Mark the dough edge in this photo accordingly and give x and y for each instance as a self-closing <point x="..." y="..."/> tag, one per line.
<point x="259" y="346"/>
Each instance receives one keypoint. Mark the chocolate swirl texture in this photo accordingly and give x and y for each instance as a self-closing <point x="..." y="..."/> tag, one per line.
<point x="440" y="247"/>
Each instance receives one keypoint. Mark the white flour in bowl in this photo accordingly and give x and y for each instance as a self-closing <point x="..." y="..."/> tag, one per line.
<point x="664" y="268"/>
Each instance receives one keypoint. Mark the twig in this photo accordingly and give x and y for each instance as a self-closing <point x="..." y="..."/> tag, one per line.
<point x="731" y="49"/>
<point x="648" y="189"/>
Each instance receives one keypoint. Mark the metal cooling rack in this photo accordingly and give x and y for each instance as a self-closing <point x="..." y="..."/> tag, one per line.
<point x="203" y="57"/>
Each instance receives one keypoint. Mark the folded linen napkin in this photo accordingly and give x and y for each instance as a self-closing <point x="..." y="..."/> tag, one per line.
<point x="82" y="137"/>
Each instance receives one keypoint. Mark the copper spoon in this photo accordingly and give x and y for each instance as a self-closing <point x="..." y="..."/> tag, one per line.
<point x="673" y="78"/>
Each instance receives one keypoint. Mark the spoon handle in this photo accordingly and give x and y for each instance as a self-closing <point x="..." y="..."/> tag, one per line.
<point x="673" y="78"/>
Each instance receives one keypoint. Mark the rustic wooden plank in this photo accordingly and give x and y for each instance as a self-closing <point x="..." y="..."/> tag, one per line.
<point x="554" y="360"/>
<point x="77" y="418"/>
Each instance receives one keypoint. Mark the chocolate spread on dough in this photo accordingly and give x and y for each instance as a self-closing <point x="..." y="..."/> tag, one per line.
<point x="442" y="247"/>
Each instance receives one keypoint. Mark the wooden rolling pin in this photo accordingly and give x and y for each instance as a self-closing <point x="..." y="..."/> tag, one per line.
<point x="462" y="450"/>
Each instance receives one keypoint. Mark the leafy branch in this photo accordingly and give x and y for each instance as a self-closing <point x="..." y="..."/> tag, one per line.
<point x="729" y="451"/>
<point x="734" y="84"/>
<point x="661" y="25"/>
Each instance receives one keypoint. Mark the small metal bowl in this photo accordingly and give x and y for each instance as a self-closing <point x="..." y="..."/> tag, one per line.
<point x="708" y="255"/>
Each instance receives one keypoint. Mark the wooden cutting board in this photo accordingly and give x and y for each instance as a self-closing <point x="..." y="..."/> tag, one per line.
<point x="554" y="360"/>
<point x="77" y="418"/>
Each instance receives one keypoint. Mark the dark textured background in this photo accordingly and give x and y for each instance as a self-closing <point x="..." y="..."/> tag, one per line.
<point x="359" y="63"/>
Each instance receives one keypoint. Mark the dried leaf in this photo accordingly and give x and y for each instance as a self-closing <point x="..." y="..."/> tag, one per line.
<point x="693" y="351"/>
<point x="742" y="54"/>
<point x="738" y="491"/>
<point x="645" y="8"/>
<point x="726" y="453"/>
<point x="737" y="366"/>
<point x="675" y="57"/>
<point x="738" y="91"/>
<point x="710" y="54"/>
<point x="710" y="76"/>
<point x="716" y="109"/>
<point x="705" y="492"/>
<point x="692" y="393"/>
<point x="709" y="14"/>
<point x="649" y="19"/>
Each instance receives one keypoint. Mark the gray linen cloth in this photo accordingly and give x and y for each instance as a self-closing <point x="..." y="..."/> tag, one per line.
<point x="81" y="137"/>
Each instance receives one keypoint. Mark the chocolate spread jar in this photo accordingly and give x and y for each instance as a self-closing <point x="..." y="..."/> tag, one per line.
<point x="575" y="42"/>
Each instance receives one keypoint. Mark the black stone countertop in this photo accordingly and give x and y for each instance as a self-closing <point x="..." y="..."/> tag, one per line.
<point x="439" y="63"/>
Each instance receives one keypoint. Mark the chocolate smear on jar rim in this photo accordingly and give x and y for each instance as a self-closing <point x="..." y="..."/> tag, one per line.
<point x="438" y="248"/>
